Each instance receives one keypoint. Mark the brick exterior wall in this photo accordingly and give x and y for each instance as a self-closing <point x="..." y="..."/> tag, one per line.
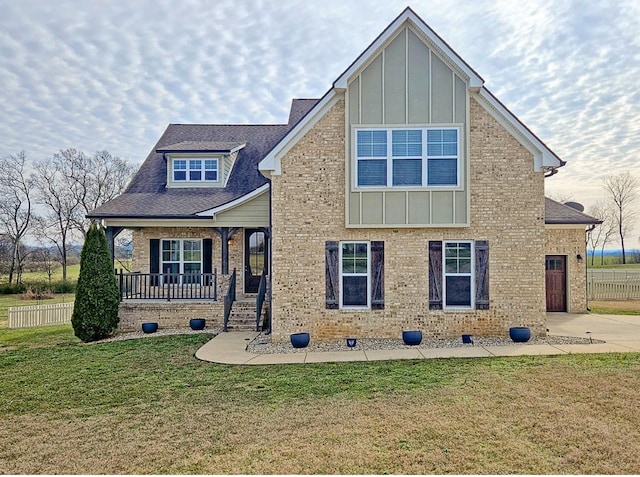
<point x="507" y="209"/>
<point x="571" y="242"/>
<point x="175" y="314"/>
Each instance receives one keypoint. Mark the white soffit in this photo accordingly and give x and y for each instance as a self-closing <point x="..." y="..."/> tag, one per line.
<point x="234" y="203"/>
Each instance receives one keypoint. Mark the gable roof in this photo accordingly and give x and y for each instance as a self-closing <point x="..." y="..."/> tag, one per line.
<point x="543" y="156"/>
<point x="557" y="213"/>
<point x="432" y="38"/>
<point x="147" y="196"/>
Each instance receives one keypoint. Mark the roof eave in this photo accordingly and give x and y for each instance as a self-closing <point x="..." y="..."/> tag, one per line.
<point x="544" y="157"/>
<point x="271" y="162"/>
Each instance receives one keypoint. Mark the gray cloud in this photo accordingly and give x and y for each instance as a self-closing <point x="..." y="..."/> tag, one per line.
<point x="113" y="74"/>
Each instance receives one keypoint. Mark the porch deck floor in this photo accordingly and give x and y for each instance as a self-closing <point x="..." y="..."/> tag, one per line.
<point x="620" y="333"/>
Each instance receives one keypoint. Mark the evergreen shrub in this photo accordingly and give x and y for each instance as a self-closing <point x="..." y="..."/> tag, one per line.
<point x="95" y="313"/>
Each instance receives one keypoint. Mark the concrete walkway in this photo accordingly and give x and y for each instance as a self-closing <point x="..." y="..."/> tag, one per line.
<point x="620" y="333"/>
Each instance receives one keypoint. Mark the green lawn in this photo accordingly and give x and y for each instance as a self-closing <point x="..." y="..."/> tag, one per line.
<point x="32" y="277"/>
<point x="627" y="307"/>
<point x="148" y="406"/>
<point x="610" y="262"/>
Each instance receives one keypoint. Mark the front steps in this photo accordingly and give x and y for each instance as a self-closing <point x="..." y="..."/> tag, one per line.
<point x="243" y="315"/>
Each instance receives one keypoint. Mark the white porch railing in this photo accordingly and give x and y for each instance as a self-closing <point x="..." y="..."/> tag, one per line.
<point x="40" y="315"/>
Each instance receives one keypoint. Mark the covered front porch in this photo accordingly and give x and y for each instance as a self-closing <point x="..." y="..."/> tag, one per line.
<point x="179" y="273"/>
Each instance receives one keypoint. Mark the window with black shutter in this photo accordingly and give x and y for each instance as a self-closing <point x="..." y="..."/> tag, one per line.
<point x="458" y="274"/>
<point x="354" y="275"/>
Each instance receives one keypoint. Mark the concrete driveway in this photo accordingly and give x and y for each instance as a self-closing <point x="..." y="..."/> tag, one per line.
<point x="621" y="333"/>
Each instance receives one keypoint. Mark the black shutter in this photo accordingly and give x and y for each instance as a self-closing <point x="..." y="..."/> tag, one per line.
<point x="332" y="275"/>
<point x="435" y="275"/>
<point x="206" y="259"/>
<point x="377" y="275"/>
<point x="154" y="260"/>
<point x="482" y="274"/>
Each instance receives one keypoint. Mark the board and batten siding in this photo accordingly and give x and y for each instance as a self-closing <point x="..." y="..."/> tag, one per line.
<point x="252" y="213"/>
<point x="407" y="84"/>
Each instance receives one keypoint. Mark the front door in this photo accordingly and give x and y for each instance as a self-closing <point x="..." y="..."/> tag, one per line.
<point x="255" y="258"/>
<point x="556" y="280"/>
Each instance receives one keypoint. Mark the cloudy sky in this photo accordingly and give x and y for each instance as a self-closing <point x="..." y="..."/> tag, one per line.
<point x="111" y="74"/>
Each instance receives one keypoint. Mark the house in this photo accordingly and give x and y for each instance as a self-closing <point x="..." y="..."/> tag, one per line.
<point x="407" y="197"/>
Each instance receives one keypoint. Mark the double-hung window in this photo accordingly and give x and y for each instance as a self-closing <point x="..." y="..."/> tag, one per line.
<point x="408" y="157"/>
<point x="195" y="170"/>
<point x="354" y="274"/>
<point x="181" y="260"/>
<point x="458" y="273"/>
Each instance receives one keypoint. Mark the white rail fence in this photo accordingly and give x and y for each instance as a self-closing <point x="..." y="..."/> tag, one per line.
<point x="40" y="315"/>
<point x="613" y="284"/>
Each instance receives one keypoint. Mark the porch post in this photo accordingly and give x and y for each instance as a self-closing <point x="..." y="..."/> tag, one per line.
<point x="224" y="237"/>
<point x="112" y="233"/>
<point x="225" y="234"/>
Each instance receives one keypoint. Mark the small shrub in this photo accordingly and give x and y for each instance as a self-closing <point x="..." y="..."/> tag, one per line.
<point x="12" y="289"/>
<point x="37" y="293"/>
<point x="63" y="286"/>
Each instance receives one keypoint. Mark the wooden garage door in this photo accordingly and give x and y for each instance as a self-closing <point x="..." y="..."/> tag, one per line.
<point x="556" y="279"/>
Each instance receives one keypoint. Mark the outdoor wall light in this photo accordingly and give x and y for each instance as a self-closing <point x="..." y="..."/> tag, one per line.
<point x="579" y="257"/>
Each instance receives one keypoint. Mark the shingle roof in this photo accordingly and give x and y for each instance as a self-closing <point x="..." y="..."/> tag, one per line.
<point x="147" y="195"/>
<point x="201" y="146"/>
<point x="557" y="213"/>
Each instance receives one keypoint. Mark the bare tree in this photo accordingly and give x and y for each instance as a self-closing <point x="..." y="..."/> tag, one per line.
<point x="45" y="259"/>
<point x="561" y="197"/>
<point x="62" y="207"/>
<point x="94" y="180"/>
<point x="623" y="193"/>
<point x="5" y="254"/>
<point x="601" y="234"/>
<point x="70" y="185"/>
<point x="15" y="206"/>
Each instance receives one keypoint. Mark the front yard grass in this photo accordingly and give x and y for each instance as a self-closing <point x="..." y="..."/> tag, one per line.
<point x="148" y="406"/>
<point x="622" y="307"/>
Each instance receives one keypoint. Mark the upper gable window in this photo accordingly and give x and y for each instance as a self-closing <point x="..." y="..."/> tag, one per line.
<point x="403" y="157"/>
<point x="195" y="170"/>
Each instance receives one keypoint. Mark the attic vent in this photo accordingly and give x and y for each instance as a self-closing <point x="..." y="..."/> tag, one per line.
<point x="575" y="205"/>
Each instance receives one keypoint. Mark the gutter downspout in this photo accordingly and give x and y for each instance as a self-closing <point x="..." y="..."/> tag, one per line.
<point x="268" y="332"/>
<point x="586" y="268"/>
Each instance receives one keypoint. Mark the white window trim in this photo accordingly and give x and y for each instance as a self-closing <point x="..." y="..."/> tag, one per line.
<point x="202" y="169"/>
<point x="182" y="261"/>
<point x="342" y="274"/>
<point x="187" y="182"/>
<point x="389" y="158"/>
<point x="471" y="275"/>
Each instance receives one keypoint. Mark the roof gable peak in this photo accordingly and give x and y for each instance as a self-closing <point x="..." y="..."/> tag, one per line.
<point x="410" y="18"/>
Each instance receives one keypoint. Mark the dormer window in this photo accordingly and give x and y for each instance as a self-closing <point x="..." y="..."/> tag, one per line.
<point x="195" y="170"/>
<point x="200" y="164"/>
